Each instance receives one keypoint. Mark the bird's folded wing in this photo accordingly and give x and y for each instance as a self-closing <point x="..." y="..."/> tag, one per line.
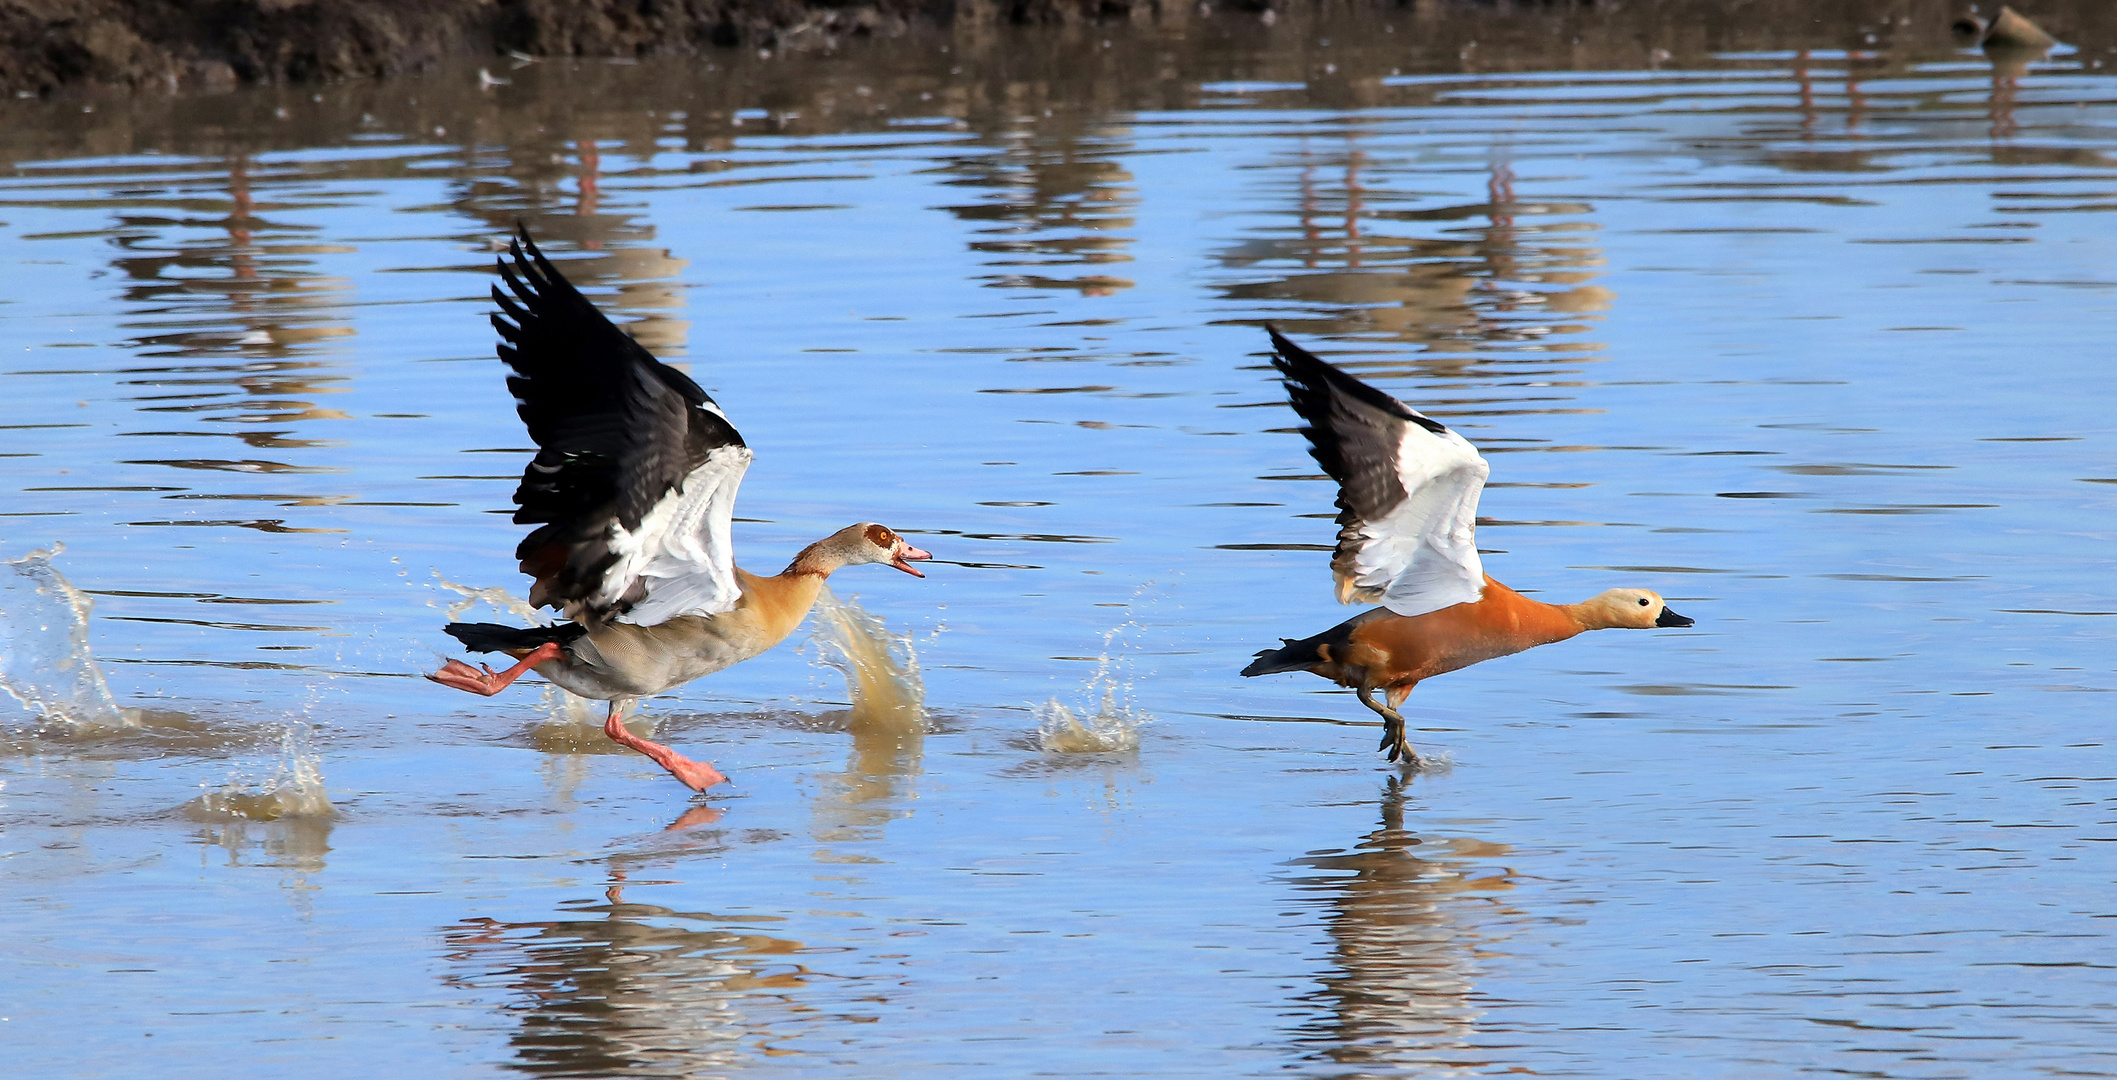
<point x="1407" y="490"/>
<point x="633" y="485"/>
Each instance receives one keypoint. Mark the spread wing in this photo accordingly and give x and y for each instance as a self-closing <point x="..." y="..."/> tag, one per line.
<point x="633" y="486"/>
<point x="1407" y="489"/>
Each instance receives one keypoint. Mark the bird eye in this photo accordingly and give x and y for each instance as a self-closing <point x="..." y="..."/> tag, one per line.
<point x="1642" y="602"/>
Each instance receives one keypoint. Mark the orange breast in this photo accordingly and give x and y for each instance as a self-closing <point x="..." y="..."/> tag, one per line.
<point x="1401" y="650"/>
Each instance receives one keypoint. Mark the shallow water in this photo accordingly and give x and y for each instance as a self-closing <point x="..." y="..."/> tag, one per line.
<point x="1813" y="341"/>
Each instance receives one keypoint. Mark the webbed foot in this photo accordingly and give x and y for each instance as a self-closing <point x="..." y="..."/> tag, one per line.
<point x="485" y="681"/>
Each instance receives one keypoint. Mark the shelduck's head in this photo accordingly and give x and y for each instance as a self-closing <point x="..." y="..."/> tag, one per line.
<point x="1632" y="609"/>
<point x="877" y="544"/>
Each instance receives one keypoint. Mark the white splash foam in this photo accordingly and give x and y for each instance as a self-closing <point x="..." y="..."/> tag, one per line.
<point x="1110" y="728"/>
<point x="565" y="709"/>
<point x="293" y="790"/>
<point x="497" y="597"/>
<point x="44" y="638"/>
<point x="1105" y="720"/>
<point x="563" y="712"/>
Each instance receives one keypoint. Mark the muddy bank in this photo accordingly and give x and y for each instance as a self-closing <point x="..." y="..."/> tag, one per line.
<point x="49" y="45"/>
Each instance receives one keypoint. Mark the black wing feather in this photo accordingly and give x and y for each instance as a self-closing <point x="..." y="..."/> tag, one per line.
<point x="616" y="429"/>
<point x="1354" y="432"/>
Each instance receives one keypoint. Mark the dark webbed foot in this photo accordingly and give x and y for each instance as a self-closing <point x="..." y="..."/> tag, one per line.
<point x="1394" y="742"/>
<point x="1399" y="747"/>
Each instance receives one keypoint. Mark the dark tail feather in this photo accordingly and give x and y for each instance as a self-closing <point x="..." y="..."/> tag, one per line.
<point x="1308" y="652"/>
<point x="492" y="637"/>
<point x="1293" y="656"/>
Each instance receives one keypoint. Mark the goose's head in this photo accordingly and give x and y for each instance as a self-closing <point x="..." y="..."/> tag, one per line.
<point x="1632" y="609"/>
<point x="874" y="543"/>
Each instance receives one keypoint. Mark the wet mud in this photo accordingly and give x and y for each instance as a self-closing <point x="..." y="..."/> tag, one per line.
<point x="48" y="46"/>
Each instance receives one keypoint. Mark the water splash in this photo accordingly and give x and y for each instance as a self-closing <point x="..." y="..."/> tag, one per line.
<point x="44" y="637"/>
<point x="881" y="669"/>
<point x="293" y="790"/>
<point x="564" y="709"/>
<point x="887" y="725"/>
<point x="497" y="597"/>
<point x="1106" y="720"/>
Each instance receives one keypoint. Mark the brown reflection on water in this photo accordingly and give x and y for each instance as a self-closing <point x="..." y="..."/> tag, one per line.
<point x="251" y="294"/>
<point x="2009" y="64"/>
<point x="235" y="318"/>
<point x="874" y="788"/>
<point x="1404" y="916"/>
<point x="632" y="988"/>
<point x="887" y="724"/>
<point x="636" y="988"/>
<point x="296" y="846"/>
<point x="1481" y="289"/>
<point x="1058" y="205"/>
<point x="1045" y="136"/>
<point x="522" y="182"/>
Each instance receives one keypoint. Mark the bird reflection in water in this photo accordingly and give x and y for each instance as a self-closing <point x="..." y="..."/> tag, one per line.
<point x="1402" y="913"/>
<point x="648" y="990"/>
<point x="630" y="987"/>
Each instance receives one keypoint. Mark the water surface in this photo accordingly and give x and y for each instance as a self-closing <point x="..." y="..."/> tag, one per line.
<point x="1810" y="335"/>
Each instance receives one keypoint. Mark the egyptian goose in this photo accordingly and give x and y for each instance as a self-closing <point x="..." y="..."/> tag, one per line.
<point x="1407" y="491"/>
<point x="632" y="491"/>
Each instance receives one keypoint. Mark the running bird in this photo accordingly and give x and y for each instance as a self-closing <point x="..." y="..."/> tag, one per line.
<point x="1407" y="491"/>
<point x="632" y="491"/>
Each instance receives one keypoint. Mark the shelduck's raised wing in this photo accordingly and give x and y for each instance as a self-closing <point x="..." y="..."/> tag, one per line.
<point x="633" y="486"/>
<point x="1407" y="488"/>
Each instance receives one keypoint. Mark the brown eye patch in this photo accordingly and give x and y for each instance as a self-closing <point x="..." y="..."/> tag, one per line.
<point x="881" y="537"/>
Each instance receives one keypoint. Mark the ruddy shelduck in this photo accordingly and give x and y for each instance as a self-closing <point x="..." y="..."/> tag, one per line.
<point x="1408" y="492"/>
<point x="632" y="491"/>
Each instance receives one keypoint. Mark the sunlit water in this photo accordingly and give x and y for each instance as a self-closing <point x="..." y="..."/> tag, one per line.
<point x="1815" y="342"/>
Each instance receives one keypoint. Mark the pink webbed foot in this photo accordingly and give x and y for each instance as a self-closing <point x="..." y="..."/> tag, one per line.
<point x="462" y="676"/>
<point x="487" y="682"/>
<point x="696" y="775"/>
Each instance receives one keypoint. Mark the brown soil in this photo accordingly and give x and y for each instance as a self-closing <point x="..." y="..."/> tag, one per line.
<point x="49" y="44"/>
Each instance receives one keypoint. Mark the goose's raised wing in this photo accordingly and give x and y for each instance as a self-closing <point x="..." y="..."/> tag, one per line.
<point x="1407" y="489"/>
<point x="633" y="486"/>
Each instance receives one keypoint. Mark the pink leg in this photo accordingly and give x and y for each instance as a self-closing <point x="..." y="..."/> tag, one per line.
<point x="696" y="775"/>
<point x="462" y="676"/>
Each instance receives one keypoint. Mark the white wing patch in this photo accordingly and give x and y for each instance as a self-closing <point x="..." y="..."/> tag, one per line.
<point x="682" y="553"/>
<point x="1422" y="556"/>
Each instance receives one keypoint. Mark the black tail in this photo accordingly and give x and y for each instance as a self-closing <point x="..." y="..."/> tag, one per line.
<point x="1308" y="652"/>
<point x="1293" y="656"/>
<point x="492" y="637"/>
